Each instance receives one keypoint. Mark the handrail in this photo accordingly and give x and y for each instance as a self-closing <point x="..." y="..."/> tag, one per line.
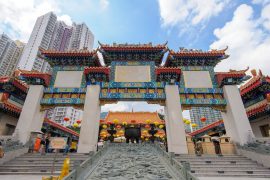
<point x="10" y="144"/>
<point x="80" y="171"/>
<point x="178" y="167"/>
<point x="255" y="147"/>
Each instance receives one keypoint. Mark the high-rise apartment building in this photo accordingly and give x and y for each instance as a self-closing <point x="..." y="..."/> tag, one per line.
<point x="81" y="37"/>
<point x="211" y="115"/>
<point x="48" y="33"/>
<point x="59" y="113"/>
<point x="61" y="36"/>
<point x="10" y="52"/>
<point x="39" y="38"/>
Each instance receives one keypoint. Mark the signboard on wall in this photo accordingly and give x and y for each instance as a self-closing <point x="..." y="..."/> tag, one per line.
<point x="132" y="74"/>
<point x="58" y="143"/>
<point x="197" y="79"/>
<point x="68" y="79"/>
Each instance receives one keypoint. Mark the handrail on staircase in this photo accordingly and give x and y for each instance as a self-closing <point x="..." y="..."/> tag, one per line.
<point x="10" y="144"/>
<point x="80" y="171"/>
<point x="184" y="168"/>
<point x="255" y="147"/>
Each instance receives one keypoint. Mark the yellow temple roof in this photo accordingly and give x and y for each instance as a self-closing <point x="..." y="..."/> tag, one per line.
<point x="139" y="117"/>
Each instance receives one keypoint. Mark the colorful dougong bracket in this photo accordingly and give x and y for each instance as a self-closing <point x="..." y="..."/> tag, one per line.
<point x="167" y="74"/>
<point x="193" y="57"/>
<point x="97" y="74"/>
<point x="70" y="58"/>
<point x="36" y="78"/>
<point x="232" y="77"/>
<point x="133" y="52"/>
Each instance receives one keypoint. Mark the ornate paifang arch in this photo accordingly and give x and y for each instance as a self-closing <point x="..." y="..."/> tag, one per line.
<point x="135" y="72"/>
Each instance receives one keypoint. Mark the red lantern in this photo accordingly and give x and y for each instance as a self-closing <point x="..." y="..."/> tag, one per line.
<point x="66" y="119"/>
<point x="203" y="119"/>
<point x="101" y="121"/>
<point x="109" y="122"/>
<point x="118" y="126"/>
<point x="268" y="97"/>
<point x="79" y="121"/>
<point x="133" y="121"/>
<point x="147" y="126"/>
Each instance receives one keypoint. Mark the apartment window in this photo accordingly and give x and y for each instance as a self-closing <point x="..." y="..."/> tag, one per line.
<point x="265" y="130"/>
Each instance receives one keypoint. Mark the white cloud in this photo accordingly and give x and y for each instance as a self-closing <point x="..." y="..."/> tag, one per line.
<point x="182" y="12"/>
<point x="120" y="106"/>
<point x="247" y="38"/>
<point x="18" y="17"/>
<point x="266" y="16"/>
<point x="66" y="19"/>
<point x="103" y="4"/>
<point x="128" y="106"/>
<point x="261" y="1"/>
<point x="137" y="107"/>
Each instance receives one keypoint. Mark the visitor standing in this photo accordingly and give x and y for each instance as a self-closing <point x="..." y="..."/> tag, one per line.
<point x="47" y="143"/>
<point x="42" y="145"/>
<point x="1" y="150"/>
<point x="37" y="143"/>
<point x="73" y="147"/>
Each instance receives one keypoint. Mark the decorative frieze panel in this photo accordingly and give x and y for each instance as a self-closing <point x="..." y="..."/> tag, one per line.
<point x="62" y="101"/>
<point x="203" y="102"/>
<point x="64" y="90"/>
<point x="200" y="90"/>
<point x="132" y="96"/>
<point x="132" y="85"/>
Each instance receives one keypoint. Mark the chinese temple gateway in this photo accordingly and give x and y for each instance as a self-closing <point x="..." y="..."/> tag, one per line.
<point x="135" y="72"/>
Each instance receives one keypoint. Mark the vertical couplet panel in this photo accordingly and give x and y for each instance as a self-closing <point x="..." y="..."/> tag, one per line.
<point x="235" y="119"/>
<point x="31" y="117"/>
<point x="174" y="121"/>
<point x="90" y="121"/>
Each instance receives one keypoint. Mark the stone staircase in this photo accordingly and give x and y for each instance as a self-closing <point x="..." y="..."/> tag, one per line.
<point x="224" y="166"/>
<point x="36" y="164"/>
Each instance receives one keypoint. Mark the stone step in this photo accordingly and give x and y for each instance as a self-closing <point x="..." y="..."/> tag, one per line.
<point x="23" y="166"/>
<point x="58" y="154"/>
<point x="231" y="171"/>
<point x="44" y="160"/>
<point x="214" y="160"/>
<point x="207" y="155"/>
<point x="37" y="163"/>
<point x="31" y="170"/>
<point x="201" y="163"/>
<point x="49" y="158"/>
<point x="212" y="157"/>
<point x="231" y="175"/>
<point x="219" y="162"/>
<point x="30" y="173"/>
<point x="228" y="166"/>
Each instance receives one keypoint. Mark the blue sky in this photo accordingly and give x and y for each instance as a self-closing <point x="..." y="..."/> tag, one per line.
<point x="244" y="26"/>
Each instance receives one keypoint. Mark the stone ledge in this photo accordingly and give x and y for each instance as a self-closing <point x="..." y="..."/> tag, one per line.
<point x="259" y="158"/>
<point x="13" y="154"/>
